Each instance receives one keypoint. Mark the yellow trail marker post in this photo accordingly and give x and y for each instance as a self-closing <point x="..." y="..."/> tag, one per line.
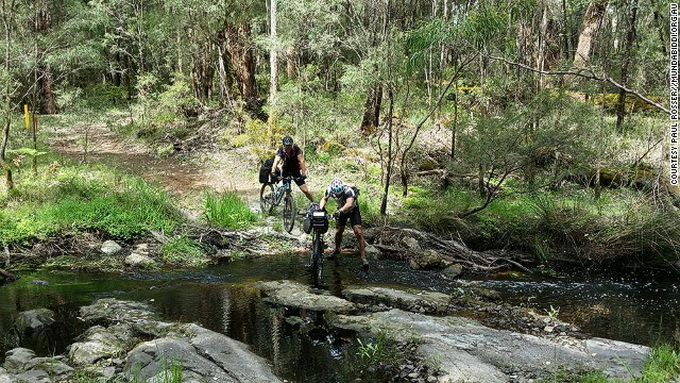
<point x="28" y="120"/>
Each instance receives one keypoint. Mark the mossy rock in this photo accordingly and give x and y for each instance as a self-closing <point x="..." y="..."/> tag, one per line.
<point x="332" y="147"/>
<point x="428" y="163"/>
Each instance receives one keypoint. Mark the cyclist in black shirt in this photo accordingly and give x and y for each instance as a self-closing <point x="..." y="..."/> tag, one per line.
<point x="293" y="164"/>
<point x="348" y="209"/>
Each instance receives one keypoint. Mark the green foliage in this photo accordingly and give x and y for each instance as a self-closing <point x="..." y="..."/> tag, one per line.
<point x="377" y="351"/>
<point x="227" y="210"/>
<point x="183" y="251"/>
<point x="85" y="198"/>
<point x="435" y="213"/>
<point x="663" y="365"/>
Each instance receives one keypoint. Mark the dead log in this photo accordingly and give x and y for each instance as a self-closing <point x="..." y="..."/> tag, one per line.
<point x="451" y="250"/>
<point x="9" y="277"/>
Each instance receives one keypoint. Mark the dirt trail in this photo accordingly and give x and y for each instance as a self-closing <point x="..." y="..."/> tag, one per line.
<point x="212" y="171"/>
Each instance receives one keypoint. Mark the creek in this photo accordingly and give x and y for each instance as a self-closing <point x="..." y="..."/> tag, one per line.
<point x="632" y="308"/>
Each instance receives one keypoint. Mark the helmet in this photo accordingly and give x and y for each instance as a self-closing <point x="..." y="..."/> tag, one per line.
<point x="336" y="186"/>
<point x="287" y="141"/>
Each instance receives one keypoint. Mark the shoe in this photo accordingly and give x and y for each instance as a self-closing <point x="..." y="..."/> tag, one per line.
<point x="364" y="265"/>
<point x="333" y="255"/>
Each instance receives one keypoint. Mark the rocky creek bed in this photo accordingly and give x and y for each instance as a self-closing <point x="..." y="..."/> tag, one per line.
<point x="125" y="341"/>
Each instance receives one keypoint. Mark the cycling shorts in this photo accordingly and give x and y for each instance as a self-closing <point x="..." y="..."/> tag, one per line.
<point x="354" y="217"/>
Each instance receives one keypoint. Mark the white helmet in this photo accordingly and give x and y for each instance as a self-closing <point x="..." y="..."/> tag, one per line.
<point x="337" y="186"/>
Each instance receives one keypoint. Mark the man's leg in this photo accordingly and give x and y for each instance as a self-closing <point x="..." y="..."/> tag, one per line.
<point x="338" y="238"/>
<point x="305" y="190"/>
<point x="361" y="242"/>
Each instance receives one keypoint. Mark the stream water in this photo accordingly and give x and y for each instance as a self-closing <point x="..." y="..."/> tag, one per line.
<point x="629" y="308"/>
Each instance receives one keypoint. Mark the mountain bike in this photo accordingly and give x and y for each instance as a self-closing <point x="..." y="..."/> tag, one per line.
<point x="316" y="223"/>
<point x="271" y="196"/>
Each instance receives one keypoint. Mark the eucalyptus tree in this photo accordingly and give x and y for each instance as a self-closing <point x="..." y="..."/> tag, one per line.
<point x="9" y="26"/>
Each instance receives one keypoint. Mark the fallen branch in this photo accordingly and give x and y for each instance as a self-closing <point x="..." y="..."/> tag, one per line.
<point x="585" y="73"/>
<point x="9" y="277"/>
<point x="451" y="250"/>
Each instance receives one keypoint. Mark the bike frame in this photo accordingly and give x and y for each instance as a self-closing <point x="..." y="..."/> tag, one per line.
<point x="281" y="190"/>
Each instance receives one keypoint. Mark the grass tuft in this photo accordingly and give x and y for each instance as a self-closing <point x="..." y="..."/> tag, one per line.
<point x="227" y="210"/>
<point x="183" y="251"/>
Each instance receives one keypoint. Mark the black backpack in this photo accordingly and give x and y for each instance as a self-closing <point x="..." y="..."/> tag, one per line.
<point x="266" y="171"/>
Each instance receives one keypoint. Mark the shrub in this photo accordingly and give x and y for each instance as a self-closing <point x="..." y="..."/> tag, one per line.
<point x="183" y="251"/>
<point x="227" y="210"/>
<point x="85" y="198"/>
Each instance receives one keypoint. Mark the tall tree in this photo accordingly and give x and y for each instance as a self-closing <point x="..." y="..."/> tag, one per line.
<point x="627" y="56"/>
<point x="8" y="25"/>
<point x="273" y="66"/>
<point x="591" y="24"/>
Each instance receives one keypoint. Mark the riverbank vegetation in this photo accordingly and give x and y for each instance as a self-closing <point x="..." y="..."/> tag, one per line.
<point x="532" y="126"/>
<point x="65" y="200"/>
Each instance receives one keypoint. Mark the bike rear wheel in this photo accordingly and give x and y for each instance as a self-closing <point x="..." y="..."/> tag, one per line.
<point x="288" y="213"/>
<point x="267" y="198"/>
<point x="317" y="259"/>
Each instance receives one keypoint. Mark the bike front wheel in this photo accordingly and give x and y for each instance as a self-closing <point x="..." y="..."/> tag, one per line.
<point x="267" y="198"/>
<point x="288" y="213"/>
<point x="317" y="260"/>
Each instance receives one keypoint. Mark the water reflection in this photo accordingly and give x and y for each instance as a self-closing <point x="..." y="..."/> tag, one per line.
<point x="298" y="342"/>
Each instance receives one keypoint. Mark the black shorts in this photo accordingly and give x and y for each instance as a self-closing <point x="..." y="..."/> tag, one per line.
<point x="354" y="217"/>
<point x="297" y="177"/>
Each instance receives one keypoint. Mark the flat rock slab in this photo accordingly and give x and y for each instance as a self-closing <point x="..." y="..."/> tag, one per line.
<point x="296" y="295"/>
<point x="423" y="301"/>
<point x="468" y="351"/>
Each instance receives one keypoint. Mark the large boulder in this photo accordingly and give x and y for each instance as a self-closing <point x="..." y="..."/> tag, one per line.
<point x="426" y="260"/>
<point x="202" y="355"/>
<point x="29" y="322"/>
<point x="100" y="343"/>
<point x="17" y="359"/>
<point x="23" y="366"/>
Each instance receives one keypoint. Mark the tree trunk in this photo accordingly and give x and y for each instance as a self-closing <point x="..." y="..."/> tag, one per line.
<point x="291" y="62"/>
<point x="454" y="127"/>
<point x="7" y="97"/>
<point x="48" y="99"/>
<point x="630" y="38"/>
<point x="591" y="24"/>
<point x="9" y="181"/>
<point x="383" y="203"/>
<point x="372" y="110"/>
<point x="274" y="69"/>
<point x="203" y="72"/>
<point x="243" y="64"/>
<point x="225" y="77"/>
